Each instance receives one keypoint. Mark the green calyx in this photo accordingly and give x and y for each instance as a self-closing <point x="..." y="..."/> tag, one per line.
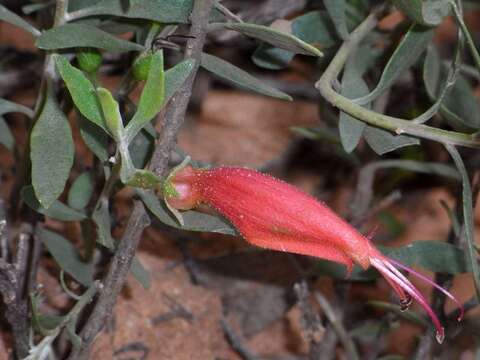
<point x="89" y="59"/>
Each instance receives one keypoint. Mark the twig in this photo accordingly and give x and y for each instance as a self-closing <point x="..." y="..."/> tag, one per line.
<point x="4" y="237"/>
<point x="310" y="320"/>
<point x="337" y="325"/>
<point x="390" y="123"/>
<point x="225" y="11"/>
<point x="138" y="219"/>
<point x="235" y="342"/>
<point x="114" y="280"/>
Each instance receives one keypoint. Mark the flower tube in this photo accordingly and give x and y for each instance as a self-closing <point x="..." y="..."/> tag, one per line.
<point x="272" y="214"/>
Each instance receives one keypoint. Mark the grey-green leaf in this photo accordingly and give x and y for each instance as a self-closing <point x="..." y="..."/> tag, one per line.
<point x="382" y="141"/>
<point x="176" y="76"/>
<point x="141" y="274"/>
<point x="436" y="256"/>
<point x="275" y="37"/>
<point x="239" y="77"/>
<point x="94" y="137"/>
<point x="82" y="35"/>
<point x="82" y="91"/>
<point x="165" y="11"/>
<point x="14" y="19"/>
<point x="81" y="191"/>
<point x="6" y="136"/>
<point x="101" y="218"/>
<point x="406" y="54"/>
<point x="9" y="107"/>
<point x="152" y="98"/>
<point x="426" y="12"/>
<point x="51" y="152"/>
<point x="353" y="86"/>
<point x="57" y="209"/>
<point x="66" y="256"/>
<point x="460" y="106"/>
<point x="315" y="28"/>
<point x="193" y="220"/>
<point x="337" y="11"/>
<point x="271" y="58"/>
<point x="468" y="222"/>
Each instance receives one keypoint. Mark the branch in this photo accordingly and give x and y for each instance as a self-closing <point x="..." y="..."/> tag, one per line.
<point x="390" y="123"/>
<point x="138" y="220"/>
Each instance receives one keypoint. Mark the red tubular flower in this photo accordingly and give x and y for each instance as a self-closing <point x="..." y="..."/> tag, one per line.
<point x="272" y="214"/>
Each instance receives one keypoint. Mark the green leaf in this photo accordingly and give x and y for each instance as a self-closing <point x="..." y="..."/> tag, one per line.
<point x="51" y="151"/>
<point x="426" y="12"/>
<point x="468" y="222"/>
<point x="239" y="77"/>
<point x="193" y="220"/>
<point x="165" y="11"/>
<point x="337" y="11"/>
<point x="353" y="85"/>
<point x="111" y="113"/>
<point x="66" y="256"/>
<point x="57" y="209"/>
<point x="406" y="54"/>
<point x="436" y="256"/>
<point x="274" y="37"/>
<point x="141" y="148"/>
<point x="176" y="76"/>
<point x="141" y="274"/>
<point x="14" y="19"/>
<point x="94" y="137"/>
<point x="459" y="107"/>
<point x="81" y="191"/>
<point x="82" y="91"/>
<point x="6" y="136"/>
<point x="82" y="35"/>
<point x="101" y="218"/>
<point x="382" y="141"/>
<point x="9" y="107"/>
<point x="271" y="58"/>
<point x="315" y="28"/>
<point x="152" y="98"/>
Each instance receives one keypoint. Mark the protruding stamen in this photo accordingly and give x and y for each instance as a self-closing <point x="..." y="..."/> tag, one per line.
<point x="405" y="302"/>
<point x="434" y="284"/>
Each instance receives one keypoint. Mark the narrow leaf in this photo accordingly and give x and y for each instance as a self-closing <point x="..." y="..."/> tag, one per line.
<point x="94" y="137"/>
<point x="57" y="209"/>
<point x="426" y="12"/>
<point x="316" y="28"/>
<point x="382" y="141"/>
<point x="14" y="19"/>
<point x="111" y="113"/>
<point x="81" y="191"/>
<point x="9" y="107"/>
<point x="141" y="274"/>
<point x="337" y="11"/>
<point x="165" y="11"/>
<point x="51" y="151"/>
<point x="275" y="37"/>
<point x="271" y="58"/>
<point x="176" y="76"/>
<point x="353" y="86"/>
<point x="406" y="54"/>
<point x="468" y="223"/>
<point x="66" y="256"/>
<point x="152" y="98"/>
<point x="193" y="220"/>
<point x="101" y="218"/>
<point x="239" y="77"/>
<point x="81" y="90"/>
<point x="82" y="35"/>
<point x="459" y="107"/>
<point x="6" y="136"/>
